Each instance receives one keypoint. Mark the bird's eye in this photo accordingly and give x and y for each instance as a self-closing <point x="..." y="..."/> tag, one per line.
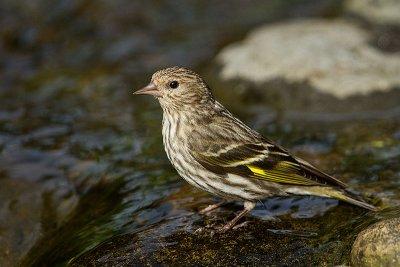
<point x="173" y="84"/>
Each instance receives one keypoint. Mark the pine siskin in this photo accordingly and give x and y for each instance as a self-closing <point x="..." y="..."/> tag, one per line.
<point x="216" y="152"/>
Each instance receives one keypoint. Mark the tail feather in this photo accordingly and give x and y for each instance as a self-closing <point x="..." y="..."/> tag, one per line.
<point x="357" y="202"/>
<point x="337" y="194"/>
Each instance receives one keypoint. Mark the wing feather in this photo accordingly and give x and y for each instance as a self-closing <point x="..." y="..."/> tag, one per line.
<point x="266" y="162"/>
<point x="226" y="145"/>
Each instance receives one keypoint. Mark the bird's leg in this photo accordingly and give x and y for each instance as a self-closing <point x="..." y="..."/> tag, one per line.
<point x="248" y="206"/>
<point x="212" y="207"/>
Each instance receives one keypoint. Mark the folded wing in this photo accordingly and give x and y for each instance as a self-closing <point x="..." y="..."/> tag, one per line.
<point x="264" y="161"/>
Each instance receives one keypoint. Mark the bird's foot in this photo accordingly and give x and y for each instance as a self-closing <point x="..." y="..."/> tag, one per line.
<point x="208" y="228"/>
<point x="200" y="230"/>
<point x="230" y="226"/>
<point x="240" y="225"/>
<point x="248" y="206"/>
<point x="213" y="229"/>
<point x="212" y="207"/>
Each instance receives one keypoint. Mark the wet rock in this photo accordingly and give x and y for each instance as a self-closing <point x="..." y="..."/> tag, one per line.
<point x="333" y="57"/>
<point x="174" y="241"/>
<point x="378" y="245"/>
<point x="382" y="17"/>
<point x="377" y="11"/>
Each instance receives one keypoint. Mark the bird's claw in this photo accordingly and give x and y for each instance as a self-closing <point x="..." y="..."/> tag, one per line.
<point x="212" y="229"/>
<point x="240" y="225"/>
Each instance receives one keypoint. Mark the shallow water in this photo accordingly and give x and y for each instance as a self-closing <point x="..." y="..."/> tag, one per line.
<point x="83" y="175"/>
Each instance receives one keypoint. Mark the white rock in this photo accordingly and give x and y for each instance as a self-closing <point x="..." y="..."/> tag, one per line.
<point x="333" y="56"/>
<point x="378" y="11"/>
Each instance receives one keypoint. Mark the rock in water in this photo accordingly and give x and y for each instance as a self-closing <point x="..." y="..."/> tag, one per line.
<point x="376" y="11"/>
<point x="378" y="245"/>
<point x="333" y="56"/>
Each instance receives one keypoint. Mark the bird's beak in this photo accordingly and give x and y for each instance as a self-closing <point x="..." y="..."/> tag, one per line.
<point x="150" y="89"/>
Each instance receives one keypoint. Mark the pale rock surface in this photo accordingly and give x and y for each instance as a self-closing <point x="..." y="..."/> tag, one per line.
<point x="333" y="56"/>
<point x="376" y="11"/>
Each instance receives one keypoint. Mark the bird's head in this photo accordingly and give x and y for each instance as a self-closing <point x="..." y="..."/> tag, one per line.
<point x="177" y="88"/>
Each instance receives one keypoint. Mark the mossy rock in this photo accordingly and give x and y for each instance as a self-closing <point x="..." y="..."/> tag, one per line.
<point x="378" y="245"/>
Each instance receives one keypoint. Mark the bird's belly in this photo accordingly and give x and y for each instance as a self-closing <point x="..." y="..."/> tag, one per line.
<point x="228" y="186"/>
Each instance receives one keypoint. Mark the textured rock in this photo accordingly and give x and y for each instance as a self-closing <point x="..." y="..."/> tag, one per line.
<point x="378" y="245"/>
<point x="378" y="11"/>
<point x="334" y="57"/>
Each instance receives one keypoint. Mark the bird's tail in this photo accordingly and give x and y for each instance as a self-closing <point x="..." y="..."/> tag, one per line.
<point x="352" y="200"/>
<point x="341" y="195"/>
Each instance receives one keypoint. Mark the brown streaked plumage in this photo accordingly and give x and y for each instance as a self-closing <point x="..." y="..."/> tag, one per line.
<point x="216" y="152"/>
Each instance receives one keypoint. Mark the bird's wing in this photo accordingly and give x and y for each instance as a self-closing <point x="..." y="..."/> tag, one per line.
<point x="265" y="161"/>
<point x="226" y="145"/>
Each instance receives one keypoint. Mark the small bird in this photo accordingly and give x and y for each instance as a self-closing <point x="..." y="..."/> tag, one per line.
<point x="216" y="152"/>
